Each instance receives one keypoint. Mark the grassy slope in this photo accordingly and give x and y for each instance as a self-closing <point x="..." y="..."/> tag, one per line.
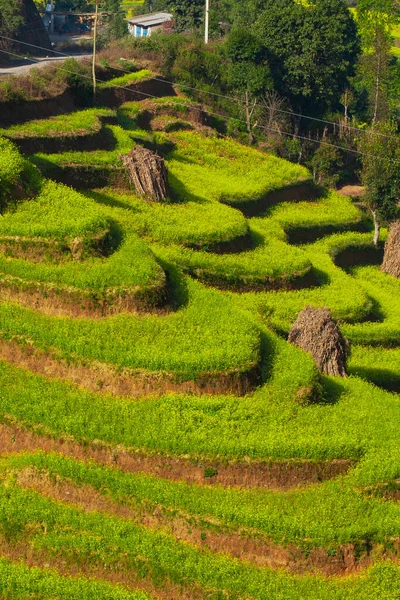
<point x="211" y="331"/>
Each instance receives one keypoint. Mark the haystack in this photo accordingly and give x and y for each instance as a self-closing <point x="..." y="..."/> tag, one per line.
<point x="391" y="259"/>
<point x="318" y="334"/>
<point x="147" y="173"/>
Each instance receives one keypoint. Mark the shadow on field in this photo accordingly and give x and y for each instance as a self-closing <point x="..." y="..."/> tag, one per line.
<point x="332" y="390"/>
<point x="384" y="378"/>
<point x="268" y="352"/>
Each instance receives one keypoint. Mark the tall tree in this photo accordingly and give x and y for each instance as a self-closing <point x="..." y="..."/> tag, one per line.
<point x="312" y="50"/>
<point x="380" y="174"/>
<point x="376" y="19"/>
<point x="188" y="14"/>
<point x="248" y="72"/>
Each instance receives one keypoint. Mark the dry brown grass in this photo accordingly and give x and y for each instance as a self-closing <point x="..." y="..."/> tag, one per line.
<point x="243" y="545"/>
<point x="105" y="379"/>
<point x="124" y="575"/>
<point x="274" y="476"/>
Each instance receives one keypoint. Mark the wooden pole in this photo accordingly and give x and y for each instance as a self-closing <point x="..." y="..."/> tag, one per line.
<point x="52" y="16"/>
<point x="96" y="16"/>
<point x="207" y="21"/>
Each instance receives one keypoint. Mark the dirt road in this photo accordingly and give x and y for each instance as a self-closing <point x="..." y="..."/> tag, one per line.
<point x="23" y="66"/>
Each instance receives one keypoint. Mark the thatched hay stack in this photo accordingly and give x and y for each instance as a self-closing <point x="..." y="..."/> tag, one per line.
<point x="147" y="173"/>
<point x="391" y="259"/>
<point x="318" y="334"/>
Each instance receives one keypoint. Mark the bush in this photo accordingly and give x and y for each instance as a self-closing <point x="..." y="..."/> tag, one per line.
<point x="18" y="178"/>
<point x="327" y="164"/>
<point x="79" y="81"/>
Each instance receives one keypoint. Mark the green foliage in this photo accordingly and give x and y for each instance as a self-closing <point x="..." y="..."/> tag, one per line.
<point x="18" y="178"/>
<point x="248" y="66"/>
<point x="127" y="79"/>
<point x="116" y="29"/>
<point x="19" y="581"/>
<point x="78" y="81"/>
<point x="188" y="14"/>
<point x="85" y="6"/>
<point x="227" y="171"/>
<point x="312" y="50"/>
<point x="82" y="122"/>
<point x="10" y="17"/>
<point x="380" y="174"/>
<point x="327" y="164"/>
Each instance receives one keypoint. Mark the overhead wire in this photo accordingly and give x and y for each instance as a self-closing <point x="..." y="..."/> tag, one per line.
<point x="215" y="114"/>
<point x="215" y="94"/>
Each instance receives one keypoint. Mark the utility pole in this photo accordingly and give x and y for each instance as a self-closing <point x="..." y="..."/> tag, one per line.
<point x="96" y="16"/>
<point x="51" y="16"/>
<point x="207" y="21"/>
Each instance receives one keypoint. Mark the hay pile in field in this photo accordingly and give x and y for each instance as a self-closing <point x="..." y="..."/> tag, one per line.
<point x="391" y="259"/>
<point x="147" y="173"/>
<point x="318" y="334"/>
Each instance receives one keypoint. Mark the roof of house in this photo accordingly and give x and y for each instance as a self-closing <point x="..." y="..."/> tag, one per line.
<point x="152" y="19"/>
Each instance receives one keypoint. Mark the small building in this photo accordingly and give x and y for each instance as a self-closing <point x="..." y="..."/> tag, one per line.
<point x="145" y="25"/>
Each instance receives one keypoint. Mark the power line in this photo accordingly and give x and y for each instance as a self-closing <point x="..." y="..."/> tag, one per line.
<point x="263" y="127"/>
<point x="235" y="100"/>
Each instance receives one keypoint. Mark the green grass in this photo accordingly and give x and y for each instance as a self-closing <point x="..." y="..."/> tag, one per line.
<point x="333" y="210"/>
<point x="295" y="414"/>
<point x="103" y="540"/>
<point x="84" y="122"/>
<point x="18" y="178"/>
<point x="63" y="215"/>
<point x="126" y="80"/>
<point x="272" y="261"/>
<point x="377" y="364"/>
<point x="58" y="212"/>
<point x="385" y="291"/>
<point x="19" y="581"/>
<point x="124" y="143"/>
<point x="198" y="339"/>
<point x="192" y="223"/>
<point x="226" y="171"/>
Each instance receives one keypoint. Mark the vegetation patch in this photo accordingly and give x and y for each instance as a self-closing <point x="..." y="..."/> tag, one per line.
<point x="18" y="178"/>
<point x="226" y="171"/>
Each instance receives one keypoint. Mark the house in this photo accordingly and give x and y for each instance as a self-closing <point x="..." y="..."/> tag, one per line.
<point x="145" y="25"/>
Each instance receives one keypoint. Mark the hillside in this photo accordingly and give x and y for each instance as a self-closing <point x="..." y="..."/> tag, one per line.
<point x="160" y="438"/>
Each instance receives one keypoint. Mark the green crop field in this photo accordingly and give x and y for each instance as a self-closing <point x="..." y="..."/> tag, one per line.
<point x="159" y="436"/>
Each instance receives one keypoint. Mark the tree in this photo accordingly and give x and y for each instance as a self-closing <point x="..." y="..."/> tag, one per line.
<point x="16" y="22"/>
<point x="312" y="50"/>
<point x="248" y="72"/>
<point x="116" y="28"/>
<point x="188" y="14"/>
<point x="376" y="19"/>
<point x="10" y="16"/>
<point x="244" y="14"/>
<point x="327" y="164"/>
<point x="112" y="6"/>
<point x="150" y="6"/>
<point x="380" y="174"/>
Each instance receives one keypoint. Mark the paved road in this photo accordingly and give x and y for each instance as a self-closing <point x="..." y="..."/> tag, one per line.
<point x="22" y="67"/>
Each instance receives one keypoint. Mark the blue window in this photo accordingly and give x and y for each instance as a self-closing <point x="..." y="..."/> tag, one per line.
<point x="145" y="31"/>
<point x="138" y="31"/>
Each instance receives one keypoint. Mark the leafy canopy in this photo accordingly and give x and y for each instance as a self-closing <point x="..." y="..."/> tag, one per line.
<point x="312" y="50"/>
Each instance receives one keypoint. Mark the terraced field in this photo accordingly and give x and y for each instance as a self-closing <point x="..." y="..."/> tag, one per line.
<point x="159" y="436"/>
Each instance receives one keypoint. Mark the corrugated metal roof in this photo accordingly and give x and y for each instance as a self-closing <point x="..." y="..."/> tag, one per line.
<point x="152" y="19"/>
